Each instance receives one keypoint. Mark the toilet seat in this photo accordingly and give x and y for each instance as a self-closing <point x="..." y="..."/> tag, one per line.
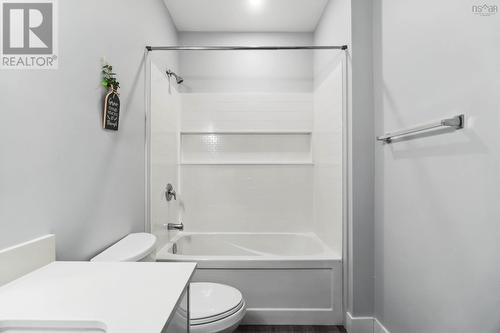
<point x="215" y="308"/>
<point x="202" y="321"/>
<point x="226" y="325"/>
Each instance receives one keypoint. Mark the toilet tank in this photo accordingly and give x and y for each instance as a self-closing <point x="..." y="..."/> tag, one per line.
<point x="134" y="247"/>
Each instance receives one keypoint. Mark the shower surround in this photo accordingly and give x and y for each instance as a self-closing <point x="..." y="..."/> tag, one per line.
<point x="253" y="143"/>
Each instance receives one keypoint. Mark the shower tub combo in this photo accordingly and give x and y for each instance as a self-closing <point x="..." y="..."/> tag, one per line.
<point x="286" y="278"/>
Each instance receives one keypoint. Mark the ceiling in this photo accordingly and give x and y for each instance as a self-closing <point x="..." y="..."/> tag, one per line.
<point x="246" y="15"/>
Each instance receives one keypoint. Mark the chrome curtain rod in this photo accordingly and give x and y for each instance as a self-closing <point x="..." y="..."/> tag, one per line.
<point x="457" y="122"/>
<point x="242" y="48"/>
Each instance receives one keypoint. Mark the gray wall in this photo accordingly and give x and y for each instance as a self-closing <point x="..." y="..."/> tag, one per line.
<point x="437" y="198"/>
<point x="350" y="22"/>
<point x="362" y="159"/>
<point x="363" y="156"/>
<point x="60" y="172"/>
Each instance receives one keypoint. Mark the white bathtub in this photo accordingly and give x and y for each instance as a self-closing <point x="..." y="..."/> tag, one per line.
<point x="286" y="278"/>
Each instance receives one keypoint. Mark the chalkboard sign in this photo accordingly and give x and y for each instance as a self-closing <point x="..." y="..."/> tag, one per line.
<point x="111" y="115"/>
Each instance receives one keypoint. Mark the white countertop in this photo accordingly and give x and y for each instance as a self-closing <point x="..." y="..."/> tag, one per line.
<point x="130" y="297"/>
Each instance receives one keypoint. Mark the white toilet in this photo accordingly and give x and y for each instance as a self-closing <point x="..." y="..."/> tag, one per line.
<point x="215" y="308"/>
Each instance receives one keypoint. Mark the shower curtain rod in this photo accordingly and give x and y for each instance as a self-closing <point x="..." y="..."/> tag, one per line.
<point x="238" y="48"/>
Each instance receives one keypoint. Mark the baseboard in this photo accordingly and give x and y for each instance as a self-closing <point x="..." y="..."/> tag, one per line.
<point x="24" y="258"/>
<point x="358" y="324"/>
<point x="363" y="325"/>
<point x="378" y="327"/>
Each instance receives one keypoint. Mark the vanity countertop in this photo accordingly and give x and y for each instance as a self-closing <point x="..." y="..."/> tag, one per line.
<point x="127" y="297"/>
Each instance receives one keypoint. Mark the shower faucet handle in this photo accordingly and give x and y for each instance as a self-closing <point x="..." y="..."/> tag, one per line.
<point x="170" y="193"/>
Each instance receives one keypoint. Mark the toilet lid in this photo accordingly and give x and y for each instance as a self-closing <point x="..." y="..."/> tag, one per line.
<point x="134" y="247"/>
<point x="212" y="301"/>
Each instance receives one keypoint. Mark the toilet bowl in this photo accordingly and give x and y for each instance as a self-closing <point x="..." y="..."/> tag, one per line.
<point x="214" y="308"/>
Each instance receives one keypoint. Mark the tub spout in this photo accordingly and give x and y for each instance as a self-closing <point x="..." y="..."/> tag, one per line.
<point x="175" y="226"/>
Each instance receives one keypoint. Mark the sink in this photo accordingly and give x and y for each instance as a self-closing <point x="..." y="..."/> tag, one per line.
<point x="51" y="326"/>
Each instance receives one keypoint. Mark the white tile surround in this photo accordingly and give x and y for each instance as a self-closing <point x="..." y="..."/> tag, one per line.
<point x="255" y="155"/>
<point x="23" y="258"/>
<point x="245" y="194"/>
<point x="247" y="112"/>
<point x="328" y="157"/>
<point x="247" y="198"/>
<point x="274" y="163"/>
<point x="246" y="148"/>
<point x="163" y="150"/>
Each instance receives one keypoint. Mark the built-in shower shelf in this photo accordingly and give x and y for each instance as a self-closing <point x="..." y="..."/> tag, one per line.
<point x="246" y="148"/>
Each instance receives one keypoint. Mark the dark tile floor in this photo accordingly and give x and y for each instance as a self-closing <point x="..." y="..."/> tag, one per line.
<point x="290" y="329"/>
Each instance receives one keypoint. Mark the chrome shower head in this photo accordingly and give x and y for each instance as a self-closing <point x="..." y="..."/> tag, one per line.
<point x="178" y="78"/>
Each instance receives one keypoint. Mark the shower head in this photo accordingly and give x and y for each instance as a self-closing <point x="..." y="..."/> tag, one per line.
<point x="178" y="78"/>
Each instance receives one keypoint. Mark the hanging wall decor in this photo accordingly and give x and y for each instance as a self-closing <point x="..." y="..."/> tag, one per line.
<point x="111" y="113"/>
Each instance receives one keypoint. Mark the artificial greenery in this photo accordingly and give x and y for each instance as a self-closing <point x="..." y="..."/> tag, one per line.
<point x="109" y="78"/>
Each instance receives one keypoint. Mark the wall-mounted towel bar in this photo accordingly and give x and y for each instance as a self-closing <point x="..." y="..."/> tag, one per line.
<point x="457" y="122"/>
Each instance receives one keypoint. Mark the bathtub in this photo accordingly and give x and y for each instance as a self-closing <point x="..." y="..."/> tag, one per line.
<point x="286" y="278"/>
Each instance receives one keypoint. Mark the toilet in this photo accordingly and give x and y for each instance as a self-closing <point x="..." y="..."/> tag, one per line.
<point x="215" y="308"/>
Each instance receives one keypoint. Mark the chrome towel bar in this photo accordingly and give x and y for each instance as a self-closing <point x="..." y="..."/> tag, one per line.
<point x="457" y="122"/>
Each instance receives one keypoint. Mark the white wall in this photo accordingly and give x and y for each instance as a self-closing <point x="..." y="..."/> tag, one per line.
<point x="437" y="212"/>
<point x="59" y="171"/>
